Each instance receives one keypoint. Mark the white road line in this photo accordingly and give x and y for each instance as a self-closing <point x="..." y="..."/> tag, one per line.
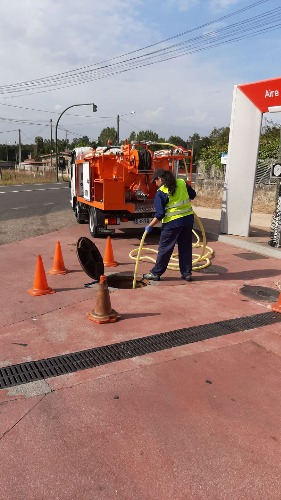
<point x="44" y="204"/>
<point x="18" y="208"/>
<point x="32" y="190"/>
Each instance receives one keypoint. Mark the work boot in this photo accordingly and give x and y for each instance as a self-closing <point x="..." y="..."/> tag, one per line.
<point x="187" y="277"/>
<point x="151" y="277"/>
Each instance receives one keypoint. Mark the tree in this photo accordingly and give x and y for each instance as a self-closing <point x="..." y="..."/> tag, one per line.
<point x="107" y="134"/>
<point x="215" y="146"/>
<point x="39" y="147"/>
<point x="177" y="141"/>
<point x="148" y="135"/>
<point x="132" y="137"/>
<point x="270" y="141"/>
<point x="196" y="143"/>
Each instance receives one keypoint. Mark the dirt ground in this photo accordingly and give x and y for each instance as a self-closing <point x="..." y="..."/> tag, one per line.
<point x="261" y="204"/>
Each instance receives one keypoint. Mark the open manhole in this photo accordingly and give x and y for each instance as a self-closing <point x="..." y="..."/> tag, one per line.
<point x="123" y="281"/>
<point x="260" y="292"/>
<point x="91" y="262"/>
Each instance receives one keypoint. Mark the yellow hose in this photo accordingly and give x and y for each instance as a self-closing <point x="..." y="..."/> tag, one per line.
<point x="173" y="264"/>
<point x="138" y="258"/>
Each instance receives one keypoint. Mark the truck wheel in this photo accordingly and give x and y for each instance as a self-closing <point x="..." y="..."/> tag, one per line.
<point x="78" y="214"/>
<point x="96" y="220"/>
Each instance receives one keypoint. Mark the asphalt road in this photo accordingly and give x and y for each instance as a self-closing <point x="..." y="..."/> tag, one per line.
<point x="29" y="210"/>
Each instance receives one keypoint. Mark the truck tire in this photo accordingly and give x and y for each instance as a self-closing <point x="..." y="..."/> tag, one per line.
<point x="78" y="214"/>
<point x="96" y="220"/>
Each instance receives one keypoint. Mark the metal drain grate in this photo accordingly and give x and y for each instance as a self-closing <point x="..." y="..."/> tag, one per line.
<point x="69" y="363"/>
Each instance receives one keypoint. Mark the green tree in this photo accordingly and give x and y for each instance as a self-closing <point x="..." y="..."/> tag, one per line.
<point x="148" y="135"/>
<point x="132" y="137"/>
<point x="218" y="144"/>
<point x="177" y="141"/>
<point x="270" y="141"/>
<point x="39" y="147"/>
<point x="107" y="134"/>
<point x="196" y="143"/>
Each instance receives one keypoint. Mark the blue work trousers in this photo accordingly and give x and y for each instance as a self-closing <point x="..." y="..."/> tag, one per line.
<point x="181" y="233"/>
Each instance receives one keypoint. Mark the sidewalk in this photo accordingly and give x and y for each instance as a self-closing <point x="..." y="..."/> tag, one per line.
<point x="257" y="241"/>
<point x="197" y="421"/>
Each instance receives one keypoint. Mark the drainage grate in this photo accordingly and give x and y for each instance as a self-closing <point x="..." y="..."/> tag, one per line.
<point x="69" y="363"/>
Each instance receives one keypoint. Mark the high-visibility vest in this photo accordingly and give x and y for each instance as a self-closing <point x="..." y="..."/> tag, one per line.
<point x="179" y="203"/>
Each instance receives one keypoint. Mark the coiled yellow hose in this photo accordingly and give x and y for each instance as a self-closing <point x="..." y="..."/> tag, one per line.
<point x="174" y="263"/>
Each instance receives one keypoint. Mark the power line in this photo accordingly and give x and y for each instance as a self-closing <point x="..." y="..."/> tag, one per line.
<point x="253" y="26"/>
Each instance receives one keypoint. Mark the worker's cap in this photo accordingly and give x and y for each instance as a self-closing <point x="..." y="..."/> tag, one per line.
<point x="159" y="172"/>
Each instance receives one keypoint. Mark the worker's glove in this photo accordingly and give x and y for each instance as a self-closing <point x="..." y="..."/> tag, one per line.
<point x="148" y="229"/>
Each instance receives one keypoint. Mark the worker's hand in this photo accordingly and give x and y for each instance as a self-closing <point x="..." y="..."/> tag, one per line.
<point x="148" y="229"/>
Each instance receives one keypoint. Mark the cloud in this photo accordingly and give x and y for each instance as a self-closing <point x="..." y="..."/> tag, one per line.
<point x="176" y="97"/>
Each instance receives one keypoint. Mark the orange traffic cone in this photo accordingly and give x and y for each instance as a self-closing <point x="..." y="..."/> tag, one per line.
<point x="277" y="306"/>
<point x="103" y="313"/>
<point x="40" y="285"/>
<point x="108" y="259"/>
<point x="58" y="264"/>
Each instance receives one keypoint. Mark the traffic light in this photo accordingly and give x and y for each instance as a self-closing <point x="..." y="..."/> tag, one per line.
<point x="94" y="108"/>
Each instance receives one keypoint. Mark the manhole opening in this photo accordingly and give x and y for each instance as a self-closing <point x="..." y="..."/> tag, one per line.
<point x="125" y="282"/>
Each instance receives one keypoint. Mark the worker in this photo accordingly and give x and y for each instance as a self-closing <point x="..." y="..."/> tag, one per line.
<point x="173" y="207"/>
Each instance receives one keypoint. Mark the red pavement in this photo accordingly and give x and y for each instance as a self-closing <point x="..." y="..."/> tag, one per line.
<point x="201" y="421"/>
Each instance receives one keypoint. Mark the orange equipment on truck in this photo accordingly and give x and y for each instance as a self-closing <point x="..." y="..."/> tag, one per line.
<point x="112" y="184"/>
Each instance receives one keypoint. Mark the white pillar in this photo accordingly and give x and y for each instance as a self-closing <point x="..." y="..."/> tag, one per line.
<point x="240" y="173"/>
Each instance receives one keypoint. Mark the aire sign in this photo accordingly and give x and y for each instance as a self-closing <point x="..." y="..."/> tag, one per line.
<point x="264" y="95"/>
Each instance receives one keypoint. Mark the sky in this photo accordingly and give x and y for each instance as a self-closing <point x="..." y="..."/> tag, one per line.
<point x="174" y="63"/>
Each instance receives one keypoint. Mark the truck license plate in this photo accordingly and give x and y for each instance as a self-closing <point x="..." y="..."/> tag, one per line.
<point x="143" y="221"/>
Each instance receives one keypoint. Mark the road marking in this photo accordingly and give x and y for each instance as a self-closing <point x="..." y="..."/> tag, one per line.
<point x="45" y="204"/>
<point x="18" y="208"/>
<point x="32" y="190"/>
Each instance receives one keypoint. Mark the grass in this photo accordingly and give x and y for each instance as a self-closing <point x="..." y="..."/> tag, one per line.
<point x="11" y="176"/>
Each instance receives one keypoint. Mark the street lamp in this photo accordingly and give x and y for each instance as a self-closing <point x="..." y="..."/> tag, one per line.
<point x="57" y="154"/>
<point x="118" y="123"/>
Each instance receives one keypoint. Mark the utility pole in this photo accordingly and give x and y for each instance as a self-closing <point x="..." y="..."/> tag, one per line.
<point x="118" y="126"/>
<point x="19" y="147"/>
<point x="51" y="123"/>
<point x="7" y="151"/>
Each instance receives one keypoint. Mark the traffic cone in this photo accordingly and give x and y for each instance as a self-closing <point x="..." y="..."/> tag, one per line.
<point x="108" y="259"/>
<point x="276" y="307"/>
<point x="103" y="313"/>
<point x="40" y="285"/>
<point x="58" y="264"/>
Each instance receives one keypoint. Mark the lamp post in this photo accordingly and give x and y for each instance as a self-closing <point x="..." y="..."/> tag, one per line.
<point x="118" y="125"/>
<point x="57" y="154"/>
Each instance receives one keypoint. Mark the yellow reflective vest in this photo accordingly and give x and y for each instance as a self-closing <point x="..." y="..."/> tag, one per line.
<point x="179" y="203"/>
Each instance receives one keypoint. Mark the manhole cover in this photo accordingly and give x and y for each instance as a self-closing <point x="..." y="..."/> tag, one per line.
<point x="260" y="292"/>
<point x="214" y="270"/>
